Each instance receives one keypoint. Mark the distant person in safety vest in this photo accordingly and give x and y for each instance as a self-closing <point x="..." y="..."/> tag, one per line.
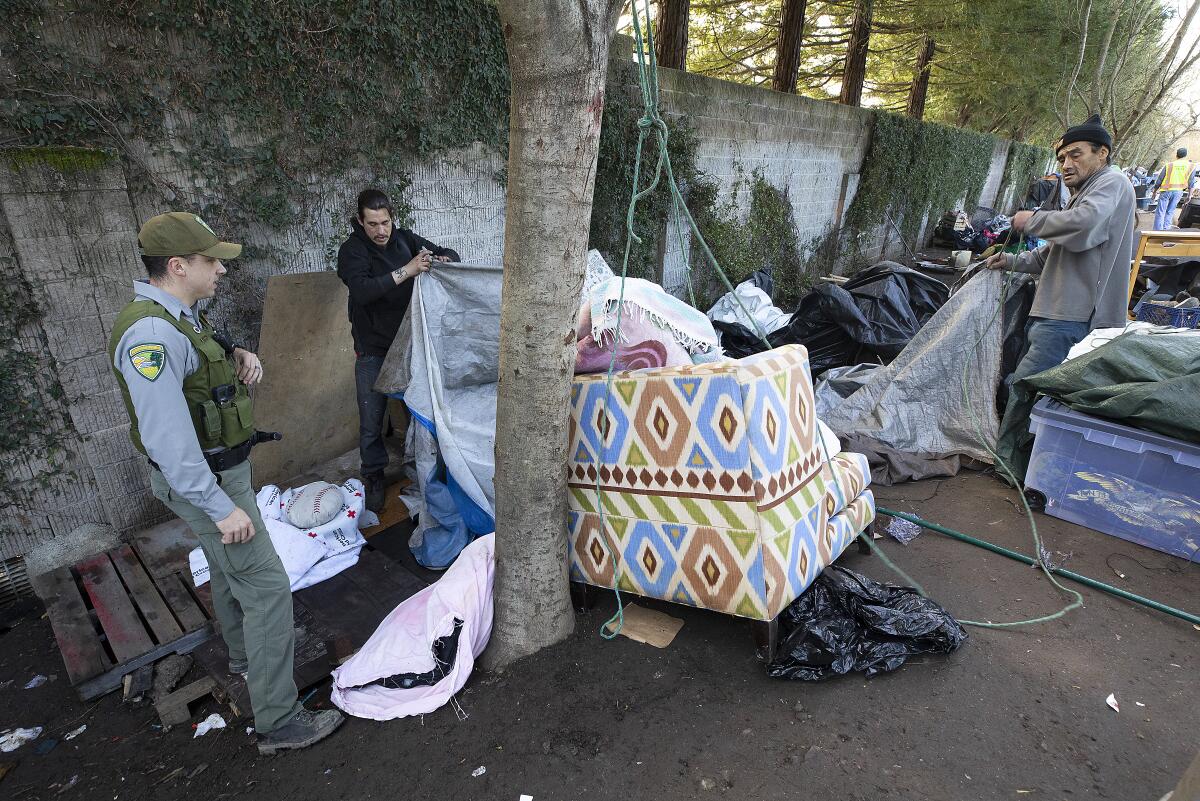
<point x="1083" y="269"/>
<point x="1175" y="178"/>
<point x="190" y="414"/>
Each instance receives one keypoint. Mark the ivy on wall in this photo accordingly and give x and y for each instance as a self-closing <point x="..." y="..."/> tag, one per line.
<point x="1025" y="163"/>
<point x="614" y="179"/>
<point x="752" y="228"/>
<point x="34" y="427"/>
<point x="256" y="105"/>
<point x="913" y="169"/>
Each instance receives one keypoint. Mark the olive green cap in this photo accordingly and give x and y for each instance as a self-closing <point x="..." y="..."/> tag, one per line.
<point x="179" y="233"/>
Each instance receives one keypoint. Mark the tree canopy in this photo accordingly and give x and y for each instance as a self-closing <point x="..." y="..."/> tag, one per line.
<point x="1023" y="69"/>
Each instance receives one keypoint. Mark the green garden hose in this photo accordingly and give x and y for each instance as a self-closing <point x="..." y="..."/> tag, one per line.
<point x="1020" y="557"/>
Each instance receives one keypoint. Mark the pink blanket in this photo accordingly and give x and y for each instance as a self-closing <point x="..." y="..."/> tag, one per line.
<point x="644" y="345"/>
<point x="403" y="643"/>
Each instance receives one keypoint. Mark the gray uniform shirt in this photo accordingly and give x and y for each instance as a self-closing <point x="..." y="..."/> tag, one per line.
<point x="1084" y="268"/>
<point x="163" y="419"/>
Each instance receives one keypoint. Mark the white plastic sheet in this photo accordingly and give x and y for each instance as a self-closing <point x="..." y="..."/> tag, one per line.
<point x="767" y="315"/>
<point x="445" y="364"/>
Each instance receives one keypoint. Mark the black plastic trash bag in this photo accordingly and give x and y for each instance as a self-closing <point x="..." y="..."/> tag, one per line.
<point x="870" y="318"/>
<point x="845" y="622"/>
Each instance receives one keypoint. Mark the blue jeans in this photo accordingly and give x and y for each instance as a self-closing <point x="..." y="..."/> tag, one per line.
<point x="1047" y="343"/>
<point x="1163" y="214"/>
<point x="372" y="407"/>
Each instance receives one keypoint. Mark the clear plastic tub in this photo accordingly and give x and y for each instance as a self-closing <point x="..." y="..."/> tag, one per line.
<point x="1133" y="484"/>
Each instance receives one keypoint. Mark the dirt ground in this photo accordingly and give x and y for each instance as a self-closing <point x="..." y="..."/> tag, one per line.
<point x="1012" y="715"/>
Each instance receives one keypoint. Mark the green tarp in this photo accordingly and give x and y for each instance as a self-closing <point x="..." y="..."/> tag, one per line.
<point x="1147" y="381"/>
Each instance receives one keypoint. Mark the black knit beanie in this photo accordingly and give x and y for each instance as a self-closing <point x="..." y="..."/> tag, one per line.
<point x="1090" y="131"/>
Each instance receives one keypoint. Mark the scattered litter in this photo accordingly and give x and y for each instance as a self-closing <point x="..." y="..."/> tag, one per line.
<point x="1055" y="560"/>
<point x="707" y="784"/>
<point x="903" y="531"/>
<point x="249" y="730"/>
<point x="648" y="625"/>
<point x="213" y="721"/>
<point x="1024" y="792"/>
<point x="45" y="746"/>
<point x="1111" y="700"/>
<point x="1139" y="703"/>
<point x="479" y="771"/>
<point x="1197" y="628"/>
<point x="12" y="739"/>
<point x="36" y="681"/>
<point x="72" y="735"/>
<point x="74" y="781"/>
<point x="525" y="798"/>
<point x="328" y="771"/>
<point x="175" y="774"/>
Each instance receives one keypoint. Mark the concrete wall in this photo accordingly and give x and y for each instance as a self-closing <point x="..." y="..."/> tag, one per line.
<point x="72" y="237"/>
<point x="991" y="187"/>
<point x="811" y="150"/>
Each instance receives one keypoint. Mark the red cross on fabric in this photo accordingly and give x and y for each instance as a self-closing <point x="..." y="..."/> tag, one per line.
<point x="350" y="513"/>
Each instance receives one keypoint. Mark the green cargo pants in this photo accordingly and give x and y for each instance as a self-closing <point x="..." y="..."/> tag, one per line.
<point x="251" y="595"/>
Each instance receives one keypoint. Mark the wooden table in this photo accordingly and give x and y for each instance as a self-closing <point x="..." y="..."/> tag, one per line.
<point x="1166" y="244"/>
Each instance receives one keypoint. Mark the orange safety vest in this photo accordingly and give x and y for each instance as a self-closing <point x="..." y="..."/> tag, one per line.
<point x="1175" y="175"/>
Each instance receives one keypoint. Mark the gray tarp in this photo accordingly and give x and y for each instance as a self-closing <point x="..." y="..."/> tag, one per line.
<point x="913" y="408"/>
<point x="445" y="364"/>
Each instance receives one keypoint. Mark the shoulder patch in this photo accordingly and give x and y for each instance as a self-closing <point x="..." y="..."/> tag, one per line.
<point x="148" y="359"/>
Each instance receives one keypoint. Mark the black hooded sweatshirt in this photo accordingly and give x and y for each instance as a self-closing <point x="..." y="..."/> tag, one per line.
<point x="377" y="305"/>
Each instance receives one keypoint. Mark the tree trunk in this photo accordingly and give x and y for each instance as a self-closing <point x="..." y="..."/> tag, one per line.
<point x="787" y="51"/>
<point x="671" y="34"/>
<point x="920" y="84"/>
<point x="855" y="72"/>
<point x="558" y="62"/>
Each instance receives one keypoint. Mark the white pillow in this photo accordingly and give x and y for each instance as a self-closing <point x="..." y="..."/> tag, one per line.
<point x="314" y="505"/>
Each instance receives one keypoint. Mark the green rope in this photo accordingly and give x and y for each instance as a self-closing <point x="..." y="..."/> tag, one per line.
<point x="652" y="122"/>
<point x="1001" y="464"/>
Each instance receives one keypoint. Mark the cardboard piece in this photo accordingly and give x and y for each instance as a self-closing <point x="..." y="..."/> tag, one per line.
<point x="648" y="626"/>
<point x="307" y="392"/>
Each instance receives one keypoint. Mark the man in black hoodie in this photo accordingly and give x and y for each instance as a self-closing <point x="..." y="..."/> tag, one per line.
<point x="378" y="263"/>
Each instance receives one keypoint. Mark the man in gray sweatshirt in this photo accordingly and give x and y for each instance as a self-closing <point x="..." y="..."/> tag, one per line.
<point x="1083" y="269"/>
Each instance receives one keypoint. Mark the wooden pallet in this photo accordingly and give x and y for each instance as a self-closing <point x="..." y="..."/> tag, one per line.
<point x="112" y="616"/>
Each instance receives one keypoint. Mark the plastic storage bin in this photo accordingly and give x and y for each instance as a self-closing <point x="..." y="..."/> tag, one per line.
<point x="1158" y="313"/>
<point x="1133" y="484"/>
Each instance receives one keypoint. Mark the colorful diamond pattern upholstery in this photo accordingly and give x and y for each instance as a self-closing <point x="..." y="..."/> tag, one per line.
<point x="714" y="489"/>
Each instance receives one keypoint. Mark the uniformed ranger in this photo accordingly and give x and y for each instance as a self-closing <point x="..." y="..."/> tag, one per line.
<point x="190" y="413"/>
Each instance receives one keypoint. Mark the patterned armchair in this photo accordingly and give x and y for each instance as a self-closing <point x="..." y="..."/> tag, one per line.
<point x="715" y="488"/>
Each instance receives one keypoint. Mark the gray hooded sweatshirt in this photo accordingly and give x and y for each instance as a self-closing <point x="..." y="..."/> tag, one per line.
<point x="1084" y="268"/>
